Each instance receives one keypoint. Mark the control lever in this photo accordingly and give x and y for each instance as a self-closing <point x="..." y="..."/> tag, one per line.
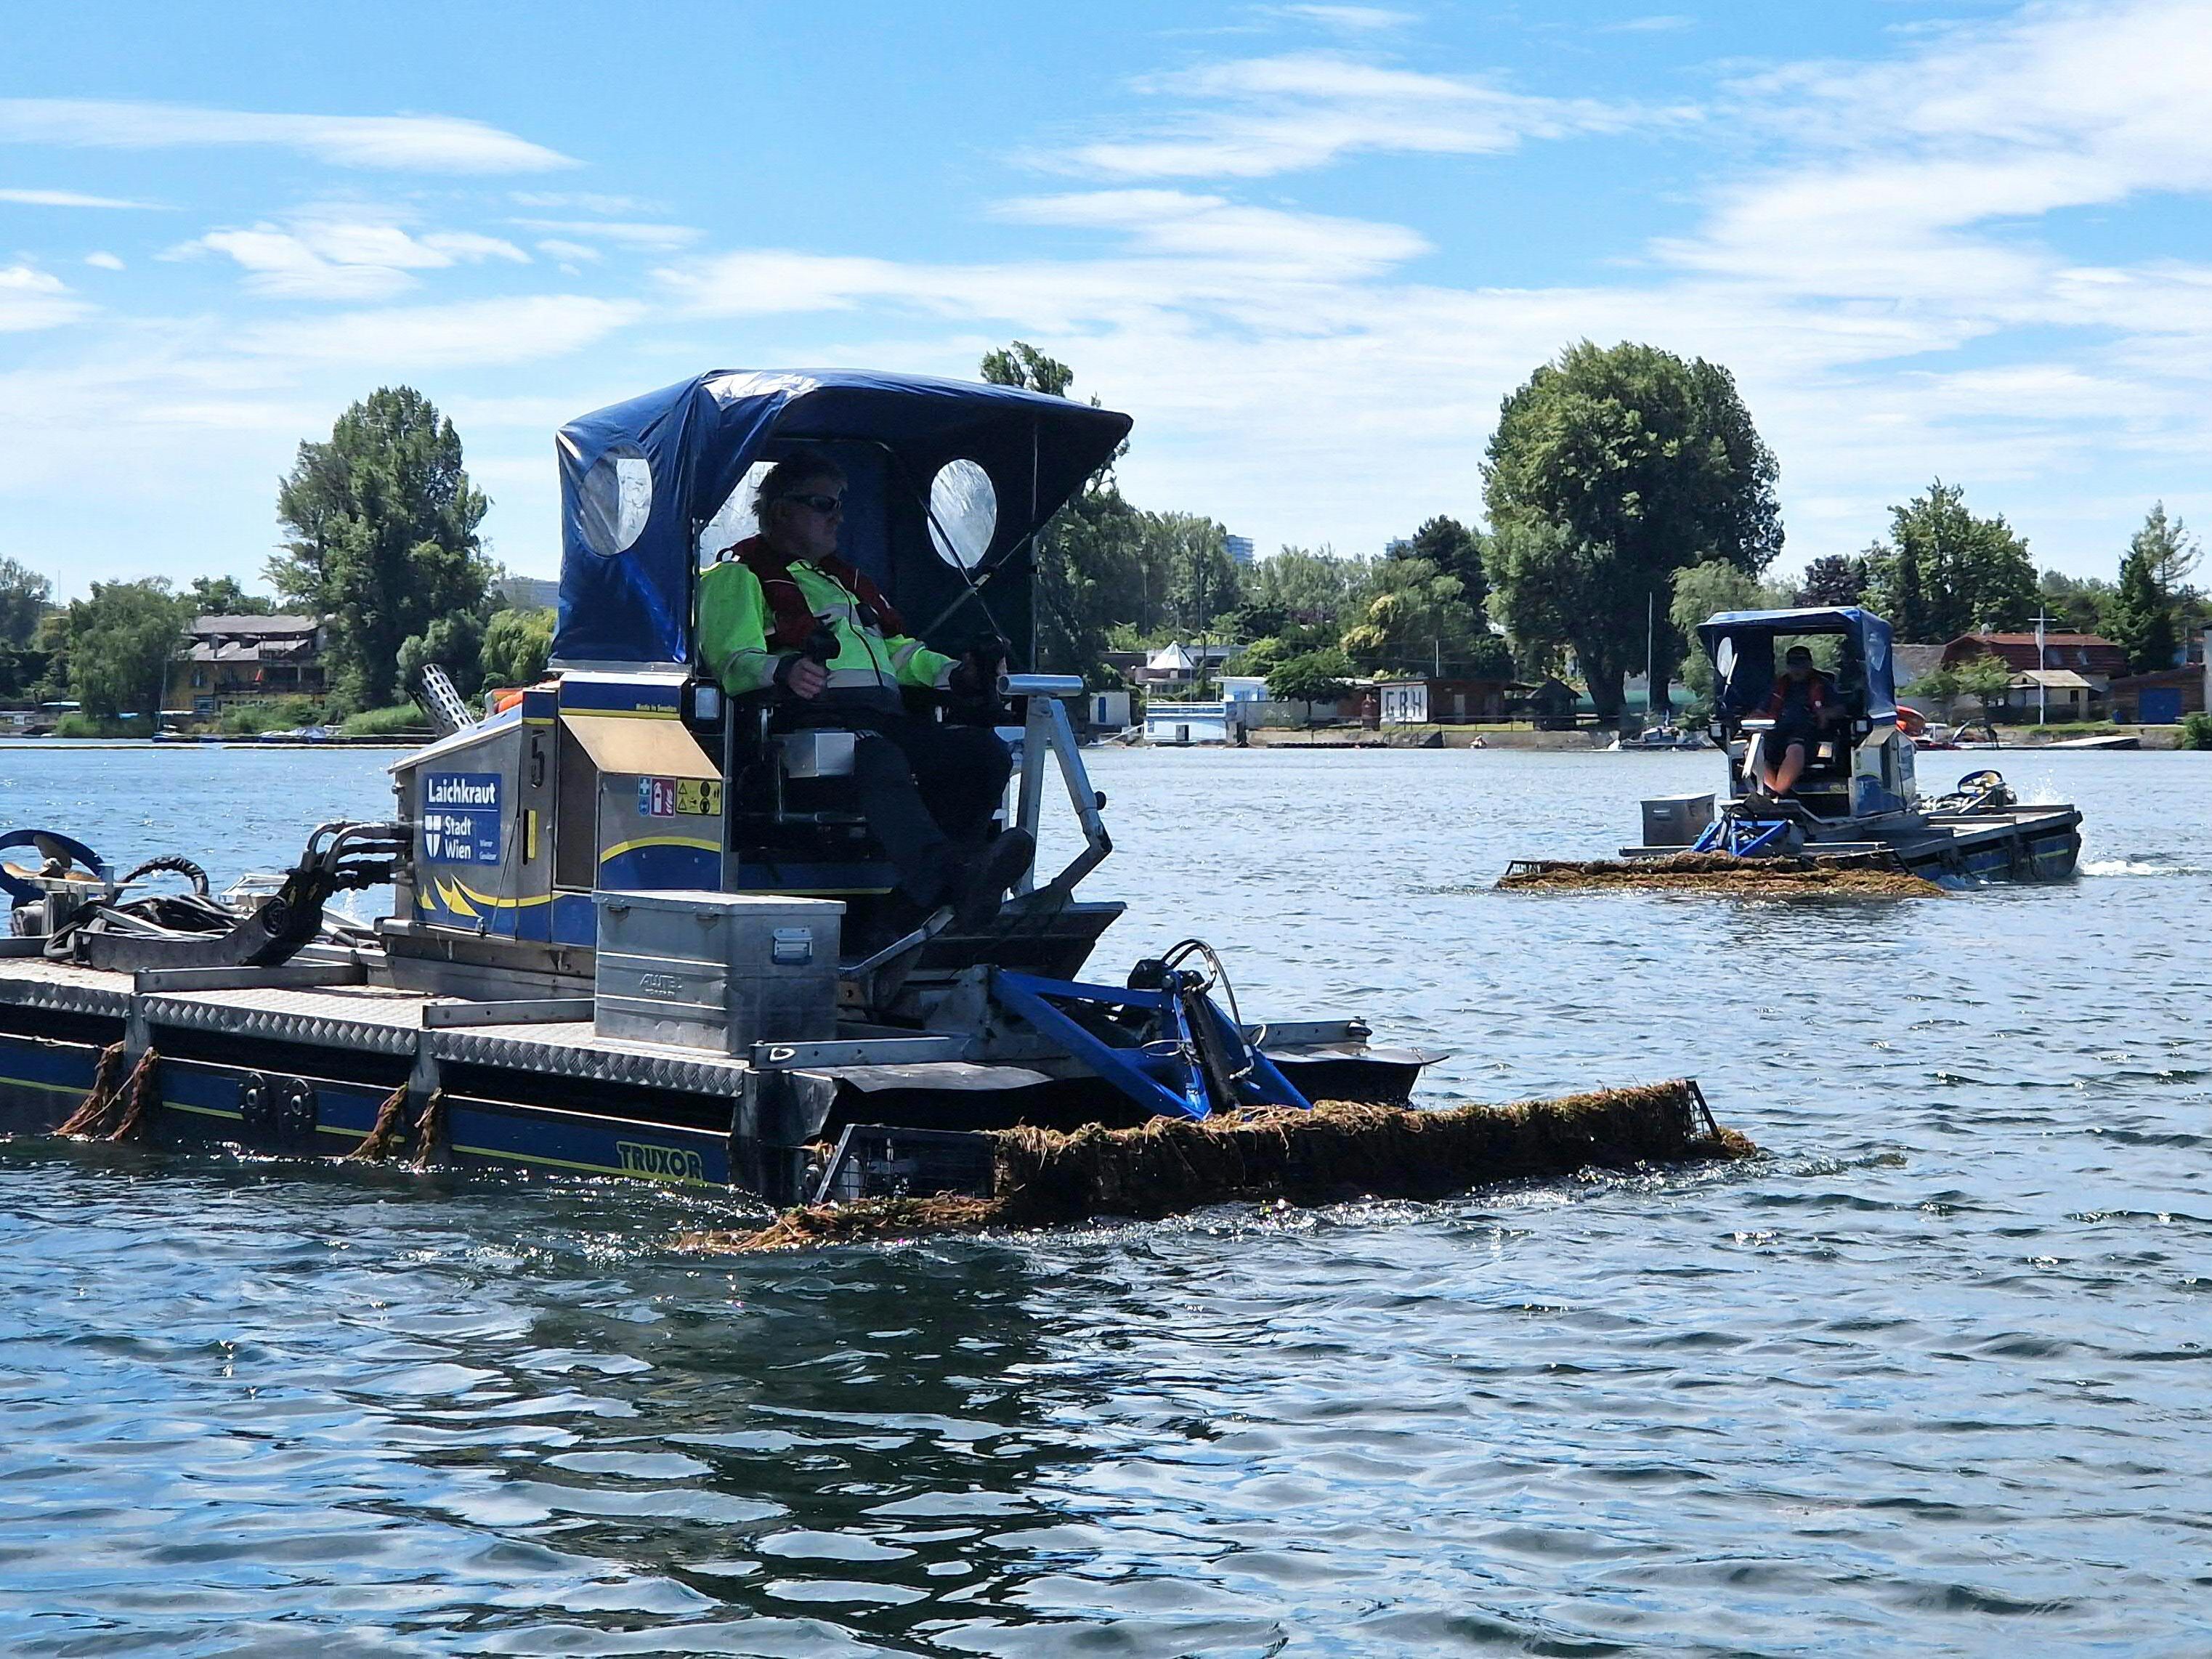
<point x="820" y="649"/>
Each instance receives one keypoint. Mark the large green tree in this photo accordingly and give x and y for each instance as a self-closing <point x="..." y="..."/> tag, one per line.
<point x="1023" y="365"/>
<point x="1308" y="586"/>
<point x="383" y="537"/>
<point x="1835" y="579"/>
<point x="1318" y="677"/>
<point x="1610" y="470"/>
<point x="2146" y="612"/>
<point x="1456" y="551"/>
<point x="1944" y="572"/>
<point x="516" y="646"/>
<point x="1190" y="582"/>
<point x="224" y="596"/>
<point x="121" y="639"/>
<point x="2077" y="605"/>
<point x="24" y="596"/>
<point x="1415" y="616"/>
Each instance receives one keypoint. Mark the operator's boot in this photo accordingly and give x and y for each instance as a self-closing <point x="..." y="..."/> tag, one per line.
<point x="984" y="878"/>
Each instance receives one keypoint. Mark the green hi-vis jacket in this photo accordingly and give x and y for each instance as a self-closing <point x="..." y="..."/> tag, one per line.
<point x="735" y="621"/>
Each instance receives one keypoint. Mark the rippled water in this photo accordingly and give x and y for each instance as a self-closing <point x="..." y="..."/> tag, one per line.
<point x="1929" y="1374"/>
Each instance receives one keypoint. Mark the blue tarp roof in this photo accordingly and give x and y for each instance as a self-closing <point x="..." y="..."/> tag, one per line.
<point x="1868" y="666"/>
<point x="639" y="479"/>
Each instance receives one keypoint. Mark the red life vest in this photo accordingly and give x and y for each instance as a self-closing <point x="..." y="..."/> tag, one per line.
<point x="1816" y="693"/>
<point x="794" y="621"/>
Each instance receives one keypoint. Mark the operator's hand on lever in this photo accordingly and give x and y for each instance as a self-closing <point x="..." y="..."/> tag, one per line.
<point x="807" y="675"/>
<point x="802" y="677"/>
<point x="972" y="678"/>
<point x="976" y="676"/>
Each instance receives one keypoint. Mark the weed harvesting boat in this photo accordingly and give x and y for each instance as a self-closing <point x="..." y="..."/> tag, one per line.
<point x="1856" y="807"/>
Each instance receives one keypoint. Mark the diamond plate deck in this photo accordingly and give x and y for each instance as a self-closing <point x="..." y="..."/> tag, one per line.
<point x="369" y="1017"/>
<point x="34" y="982"/>
<point x="376" y="1019"/>
<point x="575" y="1049"/>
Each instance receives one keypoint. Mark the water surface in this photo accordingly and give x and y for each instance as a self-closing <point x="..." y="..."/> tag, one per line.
<point x="1930" y="1372"/>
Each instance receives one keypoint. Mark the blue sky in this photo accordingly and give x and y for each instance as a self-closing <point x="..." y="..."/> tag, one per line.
<point x="1309" y="247"/>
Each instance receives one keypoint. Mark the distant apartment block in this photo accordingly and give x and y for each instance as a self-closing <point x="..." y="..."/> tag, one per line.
<point x="1240" y="549"/>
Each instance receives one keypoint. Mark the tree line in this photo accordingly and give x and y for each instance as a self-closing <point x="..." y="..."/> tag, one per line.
<point x="1629" y="495"/>
<point x="381" y="546"/>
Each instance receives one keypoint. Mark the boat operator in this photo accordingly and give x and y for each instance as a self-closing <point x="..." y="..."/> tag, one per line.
<point x="1803" y="702"/>
<point x="782" y="611"/>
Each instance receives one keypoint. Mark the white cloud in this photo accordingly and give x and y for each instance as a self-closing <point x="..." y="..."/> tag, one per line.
<point x="103" y="261"/>
<point x="1200" y="256"/>
<point x="1257" y="117"/>
<point x="1166" y="222"/>
<point x="1657" y="23"/>
<point x="656" y="238"/>
<point x="66" y="198"/>
<point x="554" y="247"/>
<point x="417" y="143"/>
<point x="1882" y="292"/>
<point x="1917" y="181"/>
<point x="402" y="340"/>
<point x="585" y="202"/>
<point x="34" y="299"/>
<point x="321" y="258"/>
<point x="1353" y="19"/>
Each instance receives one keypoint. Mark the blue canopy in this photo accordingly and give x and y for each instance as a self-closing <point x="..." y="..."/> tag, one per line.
<point x="1867" y="674"/>
<point x="639" y="481"/>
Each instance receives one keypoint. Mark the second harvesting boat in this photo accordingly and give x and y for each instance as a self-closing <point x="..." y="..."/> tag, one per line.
<point x="1849" y="800"/>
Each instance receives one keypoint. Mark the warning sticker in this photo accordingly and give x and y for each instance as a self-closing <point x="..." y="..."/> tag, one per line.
<point x="668" y="798"/>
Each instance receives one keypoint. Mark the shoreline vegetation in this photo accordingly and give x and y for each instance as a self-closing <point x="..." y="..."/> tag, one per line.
<point x="1575" y="572"/>
<point x="375" y="734"/>
<point x="1588" y="741"/>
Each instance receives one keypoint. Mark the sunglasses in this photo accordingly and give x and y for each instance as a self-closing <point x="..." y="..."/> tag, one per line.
<point x="825" y="505"/>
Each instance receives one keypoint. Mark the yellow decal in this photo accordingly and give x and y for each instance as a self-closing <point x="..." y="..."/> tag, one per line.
<point x="700" y="797"/>
<point x="620" y="847"/>
<point x="460" y="898"/>
<point x="450" y="894"/>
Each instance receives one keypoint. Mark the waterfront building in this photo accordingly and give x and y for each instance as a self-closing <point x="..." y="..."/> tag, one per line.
<point x="231" y="659"/>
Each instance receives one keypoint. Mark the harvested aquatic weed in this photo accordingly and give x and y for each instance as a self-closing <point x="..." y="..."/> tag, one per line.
<point x="1339" y="1150"/>
<point x="1723" y="873"/>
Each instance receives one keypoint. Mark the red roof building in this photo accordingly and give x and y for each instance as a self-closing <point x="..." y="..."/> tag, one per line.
<point x="2090" y="655"/>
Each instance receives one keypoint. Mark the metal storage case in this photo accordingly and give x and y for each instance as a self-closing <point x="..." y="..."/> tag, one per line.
<point x="716" y="970"/>
<point x="1676" y="820"/>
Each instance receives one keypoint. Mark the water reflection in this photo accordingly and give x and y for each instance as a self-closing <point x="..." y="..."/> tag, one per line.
<point x="1933" y="1364"/>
